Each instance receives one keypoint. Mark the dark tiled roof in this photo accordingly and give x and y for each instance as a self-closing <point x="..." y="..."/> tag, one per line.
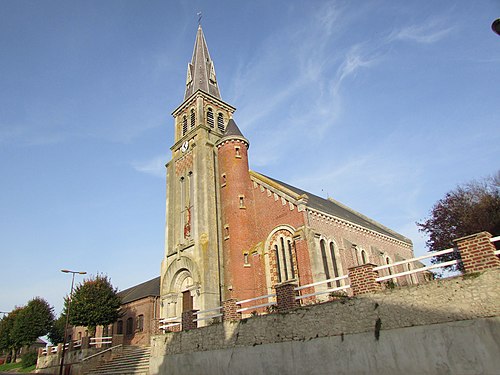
<point x="146" y="289"/>
<point x="337" y="209"/>
<point x="232" y="129"/>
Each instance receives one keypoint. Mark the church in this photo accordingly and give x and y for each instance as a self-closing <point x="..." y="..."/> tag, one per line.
<point x="233" y="233"/>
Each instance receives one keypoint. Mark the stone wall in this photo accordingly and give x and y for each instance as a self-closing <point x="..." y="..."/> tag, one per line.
<point x="370" y="316"/>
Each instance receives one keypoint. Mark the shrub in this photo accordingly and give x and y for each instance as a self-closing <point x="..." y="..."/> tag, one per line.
<point x="29" y="359"/>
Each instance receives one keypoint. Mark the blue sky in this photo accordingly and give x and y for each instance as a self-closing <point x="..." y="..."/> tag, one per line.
<point x="382" y="105"/>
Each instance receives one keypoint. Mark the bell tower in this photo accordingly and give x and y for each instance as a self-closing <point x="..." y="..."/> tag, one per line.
<point x="193" y="231"/>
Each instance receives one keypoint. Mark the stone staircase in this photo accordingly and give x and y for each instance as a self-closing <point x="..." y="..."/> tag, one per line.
<point x="132" y="360"/>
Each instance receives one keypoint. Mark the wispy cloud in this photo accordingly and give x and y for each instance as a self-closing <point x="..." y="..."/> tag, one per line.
<point x="429" y="32"/>
<point x="154" y="166"/>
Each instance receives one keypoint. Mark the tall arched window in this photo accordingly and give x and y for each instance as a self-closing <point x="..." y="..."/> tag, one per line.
<point x="363" y="257"/>
<point x="334" y="263"/>
<point x="184" y="125"/>
<point x="140" y="323"/>
<point x="193" y="119"/>
<point x="130" y="326"/>
<point x="322" y="245"/>
<point x="388" y="261"/>
<point x="220" y="122"/>
<point x="210" y="118"/>
<point x="119" y="327"/>
<point x="290" y="255"/>
<point x="284" y="256"/>
<point x="278" y="268"/>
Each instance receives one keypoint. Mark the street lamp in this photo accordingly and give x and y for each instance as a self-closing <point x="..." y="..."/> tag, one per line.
<point x="495" y="26"/>
<point x="67" y="314"/>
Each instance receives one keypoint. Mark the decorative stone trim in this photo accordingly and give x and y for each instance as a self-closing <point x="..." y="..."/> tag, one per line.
<point x="326" y="218"/>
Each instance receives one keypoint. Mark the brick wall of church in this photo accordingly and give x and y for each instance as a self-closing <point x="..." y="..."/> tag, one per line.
<point x="377" y="247"/>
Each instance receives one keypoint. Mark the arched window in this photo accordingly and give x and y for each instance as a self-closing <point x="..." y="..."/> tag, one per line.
<point x="363" y="257"/>
<point x="193" y="119"/>
<point x="210" y="118"/>
<point x="130" y="326"/>
<point x="284" y="256"/>
<point x="334" y="263"/>
<point x="220" y="122"/>
<point x="388" y="261"/>
<point x="184" y="125"/>
<point x="119" y="327"/>
<point x="322" y="245"/>
<point x="140" y="323"/>
<point x="278" y="268"/>
<point x="290" y="255"/>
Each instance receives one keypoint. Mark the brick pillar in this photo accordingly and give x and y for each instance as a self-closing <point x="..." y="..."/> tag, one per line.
<point x="362" y="279"/>
<point x="85" y="342"/>
<point x="229" y="308"/>
<point x="285" y="297"/>
<point x="117" y="339"/>
<point x="188" y="320"/>
<point x="477" y="252"/>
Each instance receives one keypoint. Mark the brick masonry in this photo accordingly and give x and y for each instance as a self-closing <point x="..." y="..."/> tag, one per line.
<point x="363" y="279"/>
<point x="477" y="252"/>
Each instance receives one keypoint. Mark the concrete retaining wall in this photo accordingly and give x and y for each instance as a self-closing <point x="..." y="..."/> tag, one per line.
<point x="387" y="332"/>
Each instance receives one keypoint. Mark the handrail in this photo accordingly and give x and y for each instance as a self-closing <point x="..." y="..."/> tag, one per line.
<point x="102" y="351"/>
<point x="437" y="253"/>
<point x="322" y="282"/>
<point x="208" y="310"/>
<point x="255" y="299"/>
<point x="256" y="306"/>
<point x="494" y="239"/>
<point x="417" y="270"/>
<point x="322" y="292"/>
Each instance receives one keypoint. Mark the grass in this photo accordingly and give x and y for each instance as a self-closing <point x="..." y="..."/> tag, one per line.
<point x="17" y="366"/>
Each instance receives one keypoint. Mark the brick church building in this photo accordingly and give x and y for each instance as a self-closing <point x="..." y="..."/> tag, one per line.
<point x="234" y="233"/>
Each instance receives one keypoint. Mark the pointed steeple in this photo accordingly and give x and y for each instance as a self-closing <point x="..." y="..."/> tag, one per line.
<point x="201" y="71"/>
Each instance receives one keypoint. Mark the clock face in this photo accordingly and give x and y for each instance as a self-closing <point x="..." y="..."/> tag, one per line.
<point x="185" y="146"/>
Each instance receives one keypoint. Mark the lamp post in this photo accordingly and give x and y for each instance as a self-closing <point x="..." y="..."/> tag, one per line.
<point x="67" y="315"/>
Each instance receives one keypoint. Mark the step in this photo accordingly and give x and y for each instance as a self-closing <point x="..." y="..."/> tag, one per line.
<point x="132" y="360"/>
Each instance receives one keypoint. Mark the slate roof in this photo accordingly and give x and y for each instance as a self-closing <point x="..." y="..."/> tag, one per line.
<point x="201" y="70"/>
<point x="335" y="208"/>
<point x="232" y="129"/>
<point x="149" y="288"/>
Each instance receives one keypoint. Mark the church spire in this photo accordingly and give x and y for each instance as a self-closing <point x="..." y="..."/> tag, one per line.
<point x="201" y="71"/>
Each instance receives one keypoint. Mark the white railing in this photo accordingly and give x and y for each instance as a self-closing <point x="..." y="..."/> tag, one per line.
<point x="493" y="240"/>
<point x="101" y="340"/>
<point x="211" y="316"/>
<point x="169" y="322"/>
<point x="417" y="270"/>
<point x="329" y="290"/>
<point x="102" y="351"/>
<point x="256" y="299"/>
<point x="77" y="344"/>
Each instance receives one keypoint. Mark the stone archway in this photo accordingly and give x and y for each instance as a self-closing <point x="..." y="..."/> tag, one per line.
<point x="181" y="277"/>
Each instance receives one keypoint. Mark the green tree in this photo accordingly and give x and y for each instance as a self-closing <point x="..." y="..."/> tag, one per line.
<point x="7" y="342"/>
<point x="95" y="302"/>
<point x="56" y="331"/>
<point x="468" y="209"/>
<point x="33" y="321"/>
